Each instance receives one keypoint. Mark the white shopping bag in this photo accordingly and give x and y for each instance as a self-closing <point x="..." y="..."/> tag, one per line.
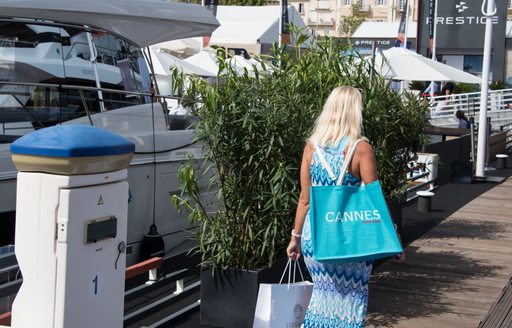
<point x="282" y="305"/>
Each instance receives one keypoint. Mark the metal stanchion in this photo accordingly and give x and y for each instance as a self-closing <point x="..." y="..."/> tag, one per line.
<point x="472" y="129"/>
<point x="488" y="145"/>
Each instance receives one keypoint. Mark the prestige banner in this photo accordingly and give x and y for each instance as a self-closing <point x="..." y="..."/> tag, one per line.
<point x="460" y="24"/>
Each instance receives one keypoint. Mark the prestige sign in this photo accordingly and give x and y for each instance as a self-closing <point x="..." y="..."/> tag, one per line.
<point x="461" y="24"/>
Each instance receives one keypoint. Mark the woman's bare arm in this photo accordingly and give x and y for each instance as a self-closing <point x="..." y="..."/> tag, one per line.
<point x="364" y="164"/>
<point x="294" y="251"/>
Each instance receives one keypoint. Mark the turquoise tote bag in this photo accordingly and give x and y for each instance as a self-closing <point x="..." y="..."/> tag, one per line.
<point x="350" y="223"/>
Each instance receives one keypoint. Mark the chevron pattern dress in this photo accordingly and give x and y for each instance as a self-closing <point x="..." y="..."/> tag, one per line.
<point x="340" y="292"/>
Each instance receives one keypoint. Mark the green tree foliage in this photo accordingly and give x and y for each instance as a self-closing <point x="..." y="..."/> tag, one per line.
<point x="254" y="127"/>
<point x="349" y="24"/>
<point x="465" y="88"/>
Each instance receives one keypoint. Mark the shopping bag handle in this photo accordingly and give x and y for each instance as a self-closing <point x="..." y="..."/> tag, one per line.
<point x="345" y="166"/>
<point x="289" y="268"/>
<point x="347" y="161"/>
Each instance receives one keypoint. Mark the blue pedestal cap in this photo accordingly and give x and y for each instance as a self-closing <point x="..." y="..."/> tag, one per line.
<point x="72" y="150"/>
<point x="72" y="141"/>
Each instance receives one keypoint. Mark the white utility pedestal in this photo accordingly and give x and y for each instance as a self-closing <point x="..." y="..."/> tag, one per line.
<point x="71" y="221"/>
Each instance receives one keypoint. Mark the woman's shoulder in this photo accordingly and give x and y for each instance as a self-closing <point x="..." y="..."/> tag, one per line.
<point x="364" y="147"/>
<point x="309" y="148"/>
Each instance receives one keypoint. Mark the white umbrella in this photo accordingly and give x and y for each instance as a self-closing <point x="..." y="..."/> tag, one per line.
<point x="259" y="64"/>
<point x="251" y="65"/>
<point x="240" y="63"/>
<point x="403" y="64"/>
<point x="206" y="60"/>
<point x="163" y="62"/>
<point x="184" y="47"/>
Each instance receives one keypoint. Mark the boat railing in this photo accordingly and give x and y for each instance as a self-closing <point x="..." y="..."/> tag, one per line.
<point x="25" y="107"/>
<point x="443" y="108"/>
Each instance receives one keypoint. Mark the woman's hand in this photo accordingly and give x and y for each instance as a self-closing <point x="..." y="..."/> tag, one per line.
<point x="399" y="257"/>
<point x="293" y="250"/>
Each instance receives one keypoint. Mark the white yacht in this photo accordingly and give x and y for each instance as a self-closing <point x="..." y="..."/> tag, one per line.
<point x="80" y="62"/>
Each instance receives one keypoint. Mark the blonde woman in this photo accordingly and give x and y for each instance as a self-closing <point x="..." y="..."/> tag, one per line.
<point x="340" y="292"/>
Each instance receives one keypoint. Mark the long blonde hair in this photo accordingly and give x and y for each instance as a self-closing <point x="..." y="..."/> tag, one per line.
<point x="340" y="117"/>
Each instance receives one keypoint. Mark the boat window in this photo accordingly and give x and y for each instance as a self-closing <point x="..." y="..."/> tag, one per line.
<point x="17" y="35"/>
<point x="35" y="53"/>
<point x="31" y="53"/>
<point x="121" y="66"/>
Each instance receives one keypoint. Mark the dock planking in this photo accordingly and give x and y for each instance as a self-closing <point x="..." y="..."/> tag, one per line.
<point x="454" y="273"/>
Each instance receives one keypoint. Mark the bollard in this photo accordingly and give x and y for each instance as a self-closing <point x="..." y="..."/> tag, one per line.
<point x="424" y="201"/>
<point x="71" y="221"/>
<point x="501" y="161"/>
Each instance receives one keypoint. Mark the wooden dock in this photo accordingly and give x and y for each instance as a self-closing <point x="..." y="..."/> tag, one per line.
<point x="453" y="274"/>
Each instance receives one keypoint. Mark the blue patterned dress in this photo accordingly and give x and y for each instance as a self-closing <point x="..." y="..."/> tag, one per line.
<point x="340" y="292"/>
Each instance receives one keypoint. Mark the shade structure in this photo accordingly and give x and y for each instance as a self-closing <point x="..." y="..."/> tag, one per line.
<point x="206" y="59"/>
<point x="403" y="64"/>
<point x="163" y="62"/>
<point x="252" y="65"/>
<point x="239" y="63"/>
<point x="182" y="47"/>
<point x="143" y="22"/>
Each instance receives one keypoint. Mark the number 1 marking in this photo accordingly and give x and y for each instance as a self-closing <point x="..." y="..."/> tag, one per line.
<point x="95" y="282"/>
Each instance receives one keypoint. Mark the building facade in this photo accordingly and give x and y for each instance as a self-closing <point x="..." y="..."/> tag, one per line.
<point x="460" y="29"/>
<point x="323" y="17"/>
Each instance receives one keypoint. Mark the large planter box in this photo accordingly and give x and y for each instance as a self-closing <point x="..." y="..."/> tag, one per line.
<point x="228" y="298"/>
<point x="395" y="209"/>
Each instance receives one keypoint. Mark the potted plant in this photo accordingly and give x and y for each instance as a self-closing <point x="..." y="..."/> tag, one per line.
<point x="254" y="131"/>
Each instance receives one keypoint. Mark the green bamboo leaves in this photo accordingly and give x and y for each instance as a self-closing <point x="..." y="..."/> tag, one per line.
<point x="254" y="131"/>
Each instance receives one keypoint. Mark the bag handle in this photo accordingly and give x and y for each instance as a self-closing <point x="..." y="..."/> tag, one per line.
<point x="288" y="268"/>
<point x="326" y="165"/>
<point x="346" y="163"/>
<point x="348" y="160"/>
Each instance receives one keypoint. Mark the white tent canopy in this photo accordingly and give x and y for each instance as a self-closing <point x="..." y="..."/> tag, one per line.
<point x="252" y="24"/>
<point x="382" y="30"/>
<point x="206" y="60"/>
<point x="403" y="64"/>
<point x="239" y="61"/>
<point x="144" y="22"/>
<point x="242" y="26"/>
<point x="163" y="62"/>
<point x="182" y="47"/>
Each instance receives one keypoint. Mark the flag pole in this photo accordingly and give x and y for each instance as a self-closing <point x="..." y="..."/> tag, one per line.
<point x="482" y="119"/>
<point x="281" y="23"/>
<point x="406" y="22"/>
<point x="434" y="55"/>
<point x="203" y="3"/>
<point x="434" y="38"/>
<point x="406" y="13"/>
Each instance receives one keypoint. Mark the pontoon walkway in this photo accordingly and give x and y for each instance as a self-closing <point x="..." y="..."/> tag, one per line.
<point x="454" y="273"/>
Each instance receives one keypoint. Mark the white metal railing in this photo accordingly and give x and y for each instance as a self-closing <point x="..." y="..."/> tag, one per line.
<point x="443" y="108"/>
